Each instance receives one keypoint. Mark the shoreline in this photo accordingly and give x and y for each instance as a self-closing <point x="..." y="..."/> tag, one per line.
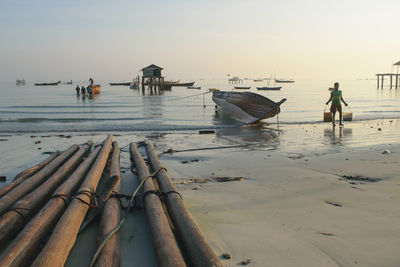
<point x="292" y="206"/>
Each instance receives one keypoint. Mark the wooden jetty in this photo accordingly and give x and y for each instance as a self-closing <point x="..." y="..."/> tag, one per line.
<point x="380" y="77"/>
<point x="44" y="210"/>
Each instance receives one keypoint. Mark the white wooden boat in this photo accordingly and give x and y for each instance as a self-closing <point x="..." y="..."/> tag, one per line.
<point x="246" y="107"/>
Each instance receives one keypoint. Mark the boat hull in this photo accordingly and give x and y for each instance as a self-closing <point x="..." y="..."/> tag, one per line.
<point x="246" y="107"/>
<point x="121" y="84"/>
<point x="242" y="87"/>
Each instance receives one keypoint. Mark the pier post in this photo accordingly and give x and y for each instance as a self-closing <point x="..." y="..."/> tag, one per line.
<point x="382" y="78"/>
<point x="391" y="77"/>
<point x="377" y="81"/>
<point x="397" y="80"/>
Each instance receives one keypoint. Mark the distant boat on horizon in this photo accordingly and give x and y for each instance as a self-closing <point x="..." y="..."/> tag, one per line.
<point x="242" y="87"/>
<point x="120" y="84"/>
<point x="271" y="88"/>
<point x="284" y="81"/>
<point x="47" y="84"/>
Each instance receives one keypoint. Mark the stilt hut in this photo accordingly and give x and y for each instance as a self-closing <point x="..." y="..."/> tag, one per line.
<point x="152" y="77"/>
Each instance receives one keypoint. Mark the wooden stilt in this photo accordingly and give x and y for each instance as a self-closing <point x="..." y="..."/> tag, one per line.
<point x="377" y="81"/>
<point x="382" y="78"/>
<point x="24" y="246"/>
<point x="391" y="78"/>
<point x="60" y="243"/>
<point x="198" y="250"/>
<point x="165" y="245"/>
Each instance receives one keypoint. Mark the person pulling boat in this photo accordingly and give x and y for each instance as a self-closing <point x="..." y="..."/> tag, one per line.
<point x="336" y="98"/>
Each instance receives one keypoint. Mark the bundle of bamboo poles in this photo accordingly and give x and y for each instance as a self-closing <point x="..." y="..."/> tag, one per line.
<point x="194" y="245"/>
<point x="24" y="200"/>
<point x="47" y="202"/>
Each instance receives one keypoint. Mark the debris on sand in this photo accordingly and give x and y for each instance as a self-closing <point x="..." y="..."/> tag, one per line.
<point x="386" y="151"/>
<point x="326" y="234"/>
<point x="195" y="180"/>
<point x="3" y="178"/>
<point x="226" y="256"/>
<point x="38" y="142"/>
<point x="333" y="203"/>
<point x="245" y="262"/>
<point x="361" y="178"/>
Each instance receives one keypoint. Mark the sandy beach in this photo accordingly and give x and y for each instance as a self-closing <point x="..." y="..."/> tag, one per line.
<point x="311" y="196"/>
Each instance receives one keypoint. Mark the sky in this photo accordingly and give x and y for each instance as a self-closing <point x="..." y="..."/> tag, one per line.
<point x="45" y="40"/>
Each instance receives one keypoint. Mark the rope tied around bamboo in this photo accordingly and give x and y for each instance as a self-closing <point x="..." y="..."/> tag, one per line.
<point x="130" y="203"/>
<point x="92" y="196"/>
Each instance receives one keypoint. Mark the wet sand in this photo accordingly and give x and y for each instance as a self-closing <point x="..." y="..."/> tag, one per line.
<point x="312" y="196"/>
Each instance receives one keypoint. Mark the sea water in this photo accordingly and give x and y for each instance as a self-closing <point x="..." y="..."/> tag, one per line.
<point x="33" y="109"/>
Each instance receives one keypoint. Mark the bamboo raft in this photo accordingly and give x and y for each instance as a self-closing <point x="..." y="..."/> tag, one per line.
<point x="43" y="210"/>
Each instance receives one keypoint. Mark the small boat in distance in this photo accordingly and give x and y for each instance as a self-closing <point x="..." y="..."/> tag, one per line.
<point x="121" y="84"/>
<point x="182" y="84"/>
<point x="270" y="88"/>
<point x="284" y="81"/>
<point x="20" y="82"/>
<point x="242" y="87"/>
<point x="96" y="89"/>
<point x="258" y="80"/>
<point x="246" y="107"/>
<point x="47" y="84"/>
<point x="193" y="87"/>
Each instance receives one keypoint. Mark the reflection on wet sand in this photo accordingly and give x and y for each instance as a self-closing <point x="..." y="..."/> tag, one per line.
<point x="254" y="135"/>
<point x="337" y="135"/>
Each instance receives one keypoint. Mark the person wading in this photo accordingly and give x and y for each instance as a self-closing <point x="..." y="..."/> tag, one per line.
<point x="336" y="98"/>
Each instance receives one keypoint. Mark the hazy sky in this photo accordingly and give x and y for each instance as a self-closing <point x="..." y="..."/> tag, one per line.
<point x="113" y="40"/>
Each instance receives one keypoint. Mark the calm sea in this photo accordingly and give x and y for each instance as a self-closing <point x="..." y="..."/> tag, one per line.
<point x="29" y="108"/>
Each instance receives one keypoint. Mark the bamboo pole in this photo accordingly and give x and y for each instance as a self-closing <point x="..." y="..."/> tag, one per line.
<point x="13" y="220"/>
<point x="165" y="245"/>
<point x="60" y="243"/>
<point x="19" y="178"/>
<point x="30" y="184"/>
<point x="198" y="250"/>
<point x="23" y="247"/>
<point x="110" y="218"/>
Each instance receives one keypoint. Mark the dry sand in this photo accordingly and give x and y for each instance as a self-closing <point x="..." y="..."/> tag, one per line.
<point x="292" y="208"/>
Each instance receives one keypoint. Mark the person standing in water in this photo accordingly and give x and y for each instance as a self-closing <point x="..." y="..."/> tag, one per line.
<point x="336" y="98"/>
<point x="77" y="89"/>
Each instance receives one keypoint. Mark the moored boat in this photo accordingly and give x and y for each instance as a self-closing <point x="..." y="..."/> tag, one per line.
<point x="283" y="81"/>
<point x="182" y="84"/>
<point x="242" y="87"/>
<point x="246" y="107"/>
<point x="194" y="87"/>
<point x="272" y="88"/>
<point x="96" y="89"/>
<point x="121" y="84"/>
<point x="47" y="84"/>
